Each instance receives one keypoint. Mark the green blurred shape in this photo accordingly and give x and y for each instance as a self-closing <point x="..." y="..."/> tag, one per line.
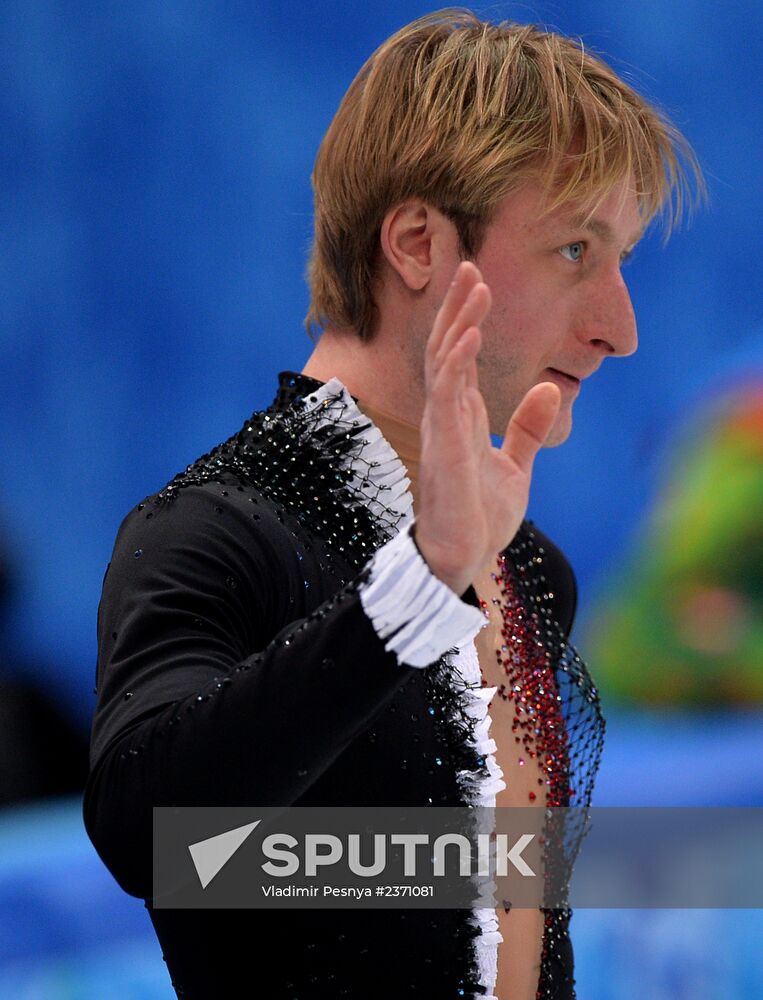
<point x="682" y="622"/>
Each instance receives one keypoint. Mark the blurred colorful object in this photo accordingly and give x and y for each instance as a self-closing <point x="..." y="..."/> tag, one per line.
<point x="683" y="620"/>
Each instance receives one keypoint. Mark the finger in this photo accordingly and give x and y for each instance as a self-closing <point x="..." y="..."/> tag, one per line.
<point x="458" y="411"/>
<point x="448" y="388"/>
<point x="472" y="375"/>
<point x="480" y="421"/>
<point x="461" y="356"/>
<point x="530" y="424"/>
<point x="466" y="276"/>
<point x="473" y="311"/>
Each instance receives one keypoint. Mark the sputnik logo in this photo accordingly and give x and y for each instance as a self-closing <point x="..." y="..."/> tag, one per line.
<point x="210" y="855"/>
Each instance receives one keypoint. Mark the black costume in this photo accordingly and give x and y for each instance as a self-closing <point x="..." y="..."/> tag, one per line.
<point x="238" y="666"/>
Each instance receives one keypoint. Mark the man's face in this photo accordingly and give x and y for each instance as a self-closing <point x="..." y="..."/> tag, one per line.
<point x="560" y="305"/>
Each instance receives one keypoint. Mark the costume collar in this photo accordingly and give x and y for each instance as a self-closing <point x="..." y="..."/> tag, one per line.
<point x="294" y="386"/>
<point x="375" y="474"/>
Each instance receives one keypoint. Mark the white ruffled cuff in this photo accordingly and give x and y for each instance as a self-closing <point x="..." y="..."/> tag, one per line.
<point x="420" y="616"/>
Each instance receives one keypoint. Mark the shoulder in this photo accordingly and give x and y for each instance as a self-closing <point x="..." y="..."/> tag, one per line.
<point x="221" y="540"/>
<point x="214" y="499"/>
<point x="223" y="513"/>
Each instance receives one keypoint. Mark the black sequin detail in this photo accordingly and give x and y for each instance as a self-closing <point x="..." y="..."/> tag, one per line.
<point x="304" y="466"/>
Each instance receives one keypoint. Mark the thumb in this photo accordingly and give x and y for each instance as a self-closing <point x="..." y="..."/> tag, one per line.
<point x="531" y="423"/>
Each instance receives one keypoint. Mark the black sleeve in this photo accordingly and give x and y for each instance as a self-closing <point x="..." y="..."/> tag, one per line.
<point x="198" y="703"/>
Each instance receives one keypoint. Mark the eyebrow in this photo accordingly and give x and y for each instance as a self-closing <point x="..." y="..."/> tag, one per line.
<point x="602" y="229"/>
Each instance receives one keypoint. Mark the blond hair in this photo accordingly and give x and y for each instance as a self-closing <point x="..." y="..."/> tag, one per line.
<point x="458" y="112"/>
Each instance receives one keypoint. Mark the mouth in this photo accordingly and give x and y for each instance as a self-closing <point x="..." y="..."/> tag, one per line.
<point x="562" y="378"/>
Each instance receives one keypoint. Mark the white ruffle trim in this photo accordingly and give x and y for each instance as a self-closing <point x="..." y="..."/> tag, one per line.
<point x="476" y="700"/>
<point x="486" y="949"/>
<point x="421" y="621"/>
<point x="419" y="616"/>
<point x="388" y="475"/>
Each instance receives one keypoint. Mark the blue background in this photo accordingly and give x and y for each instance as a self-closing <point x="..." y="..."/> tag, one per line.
<point x="156" y="214"/>
<point x="155" y="219"/>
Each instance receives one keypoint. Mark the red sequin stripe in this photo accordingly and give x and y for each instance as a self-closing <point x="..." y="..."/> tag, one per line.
<point x="538" y="724"/>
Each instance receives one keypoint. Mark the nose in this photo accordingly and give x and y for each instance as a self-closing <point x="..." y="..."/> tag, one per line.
<point x="611" y="323"/>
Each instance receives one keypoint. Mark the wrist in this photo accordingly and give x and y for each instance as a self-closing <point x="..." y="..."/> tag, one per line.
<point x="458" y="579"/>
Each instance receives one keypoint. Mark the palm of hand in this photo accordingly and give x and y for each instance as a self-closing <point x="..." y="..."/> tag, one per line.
<point x="472" y="496"/>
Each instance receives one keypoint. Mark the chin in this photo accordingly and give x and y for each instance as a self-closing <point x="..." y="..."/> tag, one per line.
<point x="558" y="433"/>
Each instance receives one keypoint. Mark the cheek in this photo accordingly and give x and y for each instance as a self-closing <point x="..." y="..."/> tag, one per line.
<point x="521" y="321"/>
<point x="519" y="293"/>
<point x="512" y="305"/>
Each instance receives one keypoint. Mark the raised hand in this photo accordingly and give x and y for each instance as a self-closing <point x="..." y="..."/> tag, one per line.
<point x="472" y="497"/>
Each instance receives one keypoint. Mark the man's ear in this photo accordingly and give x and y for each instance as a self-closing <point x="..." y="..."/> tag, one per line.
<point x="406" y="241"/>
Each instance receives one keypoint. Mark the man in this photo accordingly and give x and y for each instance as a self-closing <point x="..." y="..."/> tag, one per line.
<point x="342" y="604"/>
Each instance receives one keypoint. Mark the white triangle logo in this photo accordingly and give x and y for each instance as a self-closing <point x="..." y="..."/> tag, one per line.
<point x="210" y="855"/>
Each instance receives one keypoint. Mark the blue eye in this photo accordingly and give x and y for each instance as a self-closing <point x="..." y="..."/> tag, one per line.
<point x="572" y="251"/>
